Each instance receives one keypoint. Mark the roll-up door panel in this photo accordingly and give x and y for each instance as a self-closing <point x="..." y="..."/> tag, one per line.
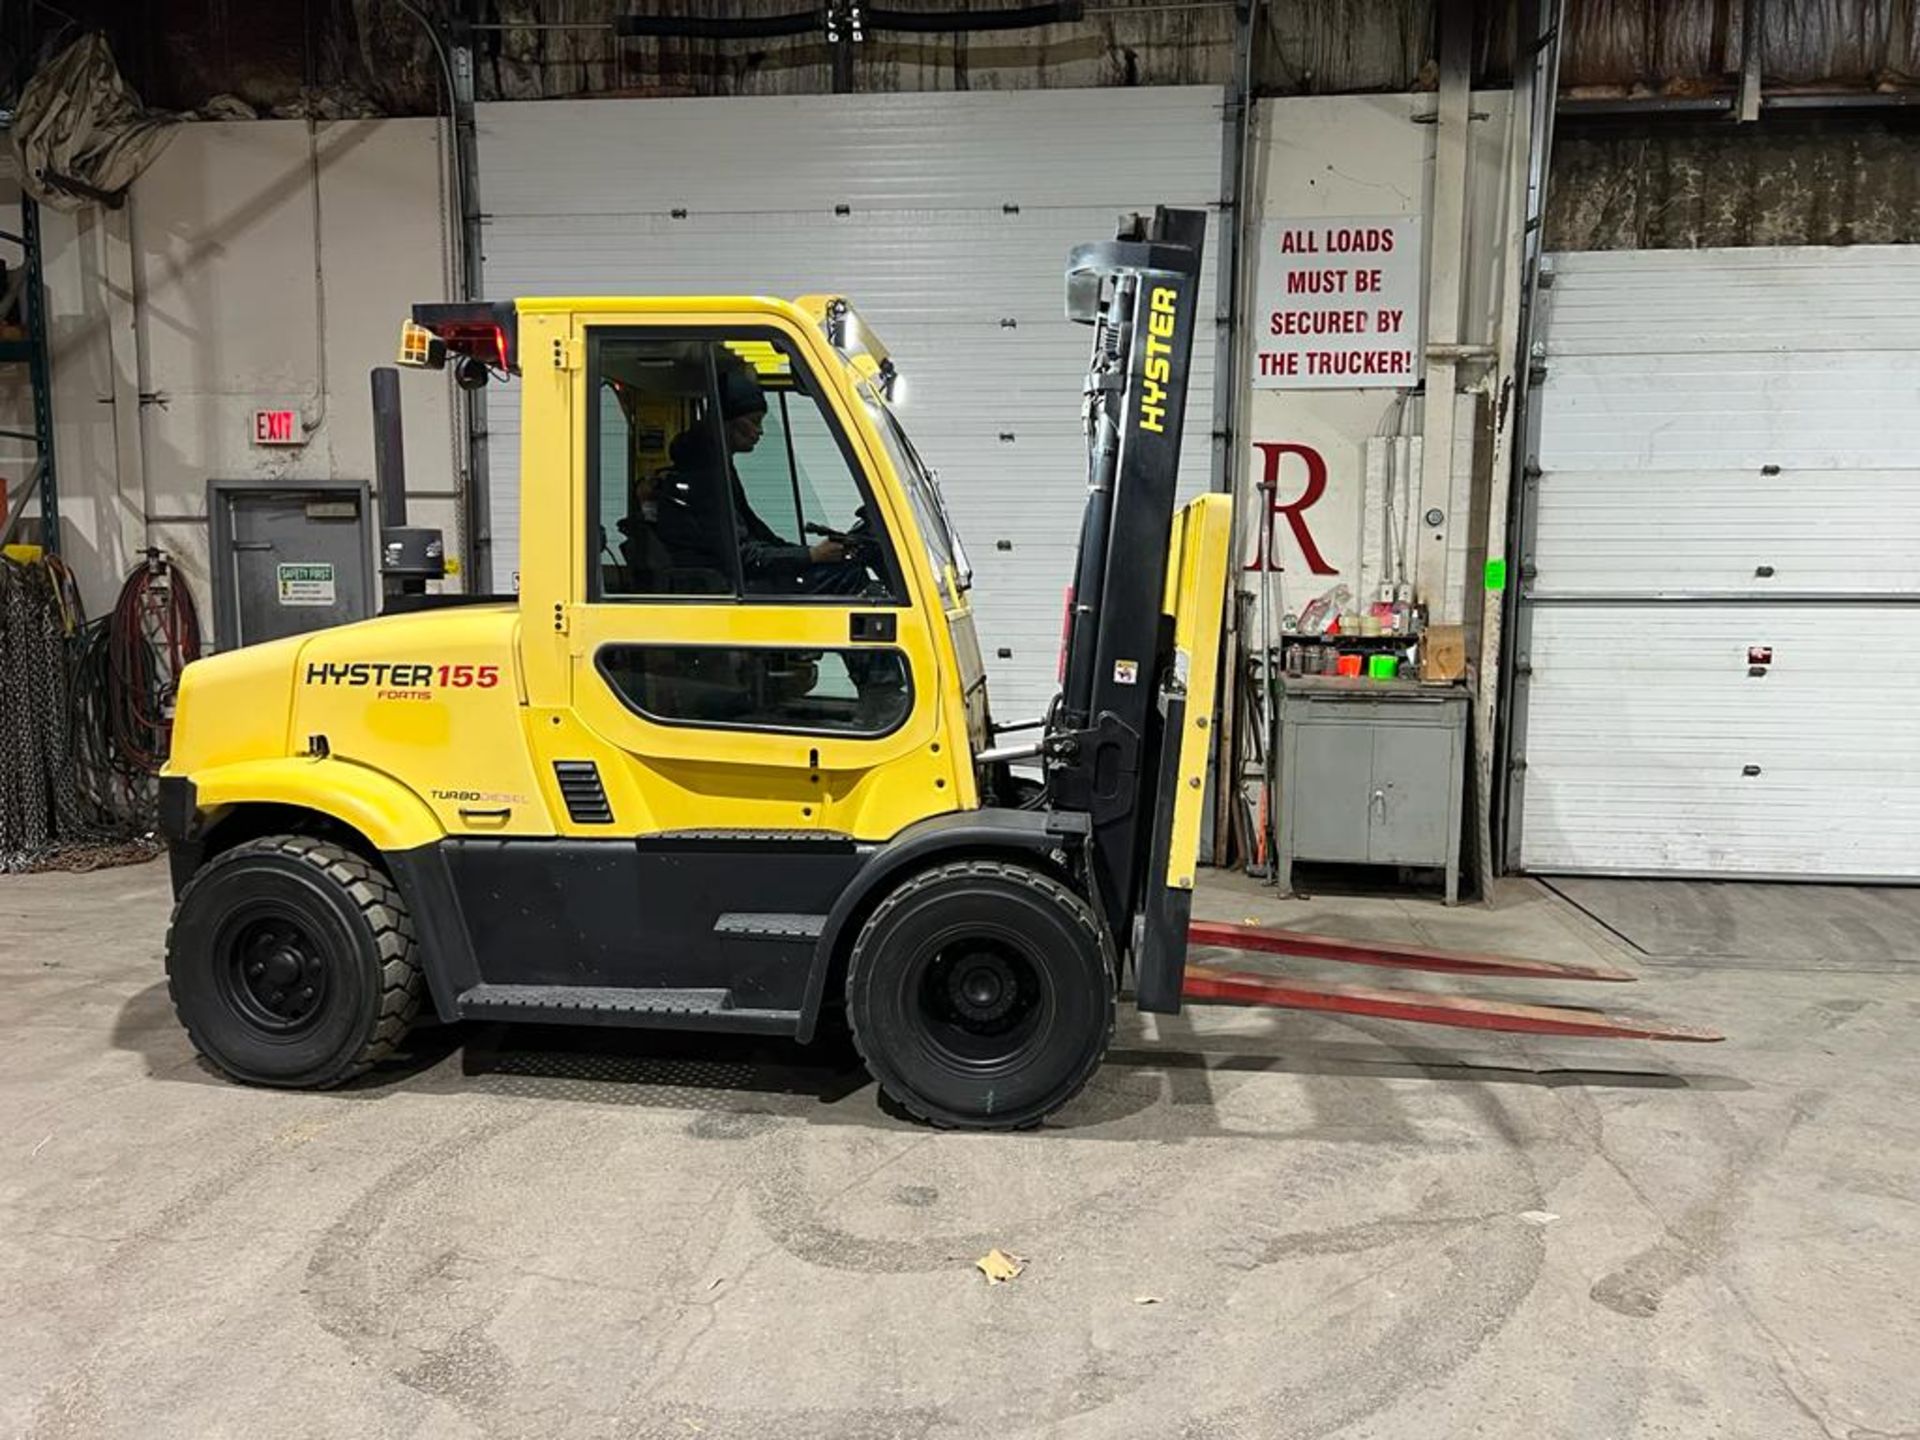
<point x="1665" y="752"/>
<point x="1722" y="569"/>
<point x="1718" y="532"/>
<point x="1747" y="411"/>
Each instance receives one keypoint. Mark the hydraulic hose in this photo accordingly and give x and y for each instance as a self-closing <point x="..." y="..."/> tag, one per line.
<point x="152" y="634"/>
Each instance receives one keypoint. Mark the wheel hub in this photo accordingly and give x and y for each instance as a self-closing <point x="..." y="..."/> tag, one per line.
<point x="978" y="995"/>
<point x="284" y="967"/>
<point x="982" y="987"/>
<point x="275" y="975"/>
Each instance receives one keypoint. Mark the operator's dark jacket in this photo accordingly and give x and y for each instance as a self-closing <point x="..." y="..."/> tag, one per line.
<point x="694" y="525"/>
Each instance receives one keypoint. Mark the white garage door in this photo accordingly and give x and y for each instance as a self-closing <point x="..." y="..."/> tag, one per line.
<point x="946" y="219"/>
<point x="1726" y="568"/>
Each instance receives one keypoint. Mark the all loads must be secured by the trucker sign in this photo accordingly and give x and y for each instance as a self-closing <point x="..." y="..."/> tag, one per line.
<point x="1338" y="304"/>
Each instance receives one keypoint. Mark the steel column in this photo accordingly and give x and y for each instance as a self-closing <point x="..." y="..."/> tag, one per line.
<point x="1446" y="260"/>
<point x="1503" y="643"/>
<point x="472" y="405"/>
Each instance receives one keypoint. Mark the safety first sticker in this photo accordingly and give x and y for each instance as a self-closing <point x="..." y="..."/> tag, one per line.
<point x="304" y="584"/>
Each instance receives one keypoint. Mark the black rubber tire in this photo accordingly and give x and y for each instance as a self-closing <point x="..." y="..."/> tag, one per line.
<point x="349" y="918"/>
<point x="1044" y="932"/>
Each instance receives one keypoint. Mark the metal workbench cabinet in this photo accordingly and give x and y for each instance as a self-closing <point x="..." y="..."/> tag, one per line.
<point x="1371" y="773"/>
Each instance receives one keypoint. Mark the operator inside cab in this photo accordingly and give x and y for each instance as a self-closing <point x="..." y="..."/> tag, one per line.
<point x="718" y="471"/>
<point x="692" y="506"/>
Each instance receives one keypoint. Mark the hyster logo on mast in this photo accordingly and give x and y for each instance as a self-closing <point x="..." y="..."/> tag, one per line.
<point x="1159" y="368"/>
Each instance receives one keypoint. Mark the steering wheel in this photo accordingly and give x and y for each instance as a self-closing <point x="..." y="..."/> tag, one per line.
<point x="862" y="545"/>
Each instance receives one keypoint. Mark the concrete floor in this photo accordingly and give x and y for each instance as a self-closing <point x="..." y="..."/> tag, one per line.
<point x="1347" y="1228"/>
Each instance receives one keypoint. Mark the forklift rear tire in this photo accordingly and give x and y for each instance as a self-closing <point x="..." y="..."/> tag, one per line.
<point x="291" y="963"/>
<point x="980" y="994"/>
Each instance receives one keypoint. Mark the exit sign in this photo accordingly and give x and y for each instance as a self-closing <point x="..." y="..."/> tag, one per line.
<point x="278" y="427"/>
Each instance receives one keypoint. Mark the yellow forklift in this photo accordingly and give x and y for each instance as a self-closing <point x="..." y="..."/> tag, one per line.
<point x="726" y="761"/>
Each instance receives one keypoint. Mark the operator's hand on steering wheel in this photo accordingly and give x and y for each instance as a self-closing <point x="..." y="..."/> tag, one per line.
<point x="827" y="552"/>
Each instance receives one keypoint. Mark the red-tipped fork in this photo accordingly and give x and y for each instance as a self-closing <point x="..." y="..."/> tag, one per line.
<point x="1206" y="982"/>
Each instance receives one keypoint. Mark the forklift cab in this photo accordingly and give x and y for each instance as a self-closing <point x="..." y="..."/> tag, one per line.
<point x="750" y="606"/>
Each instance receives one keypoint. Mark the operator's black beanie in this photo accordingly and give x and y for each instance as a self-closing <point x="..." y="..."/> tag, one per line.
<point x="740" y="394"/>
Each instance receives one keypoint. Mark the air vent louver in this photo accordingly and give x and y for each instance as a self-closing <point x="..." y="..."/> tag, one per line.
<point x="580" y="788"/>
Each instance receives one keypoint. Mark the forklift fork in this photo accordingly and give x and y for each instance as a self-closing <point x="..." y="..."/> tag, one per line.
<point x="1208" y="983"/>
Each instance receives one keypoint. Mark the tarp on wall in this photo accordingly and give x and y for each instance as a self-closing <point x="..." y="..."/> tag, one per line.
<point x="79" y="128"/>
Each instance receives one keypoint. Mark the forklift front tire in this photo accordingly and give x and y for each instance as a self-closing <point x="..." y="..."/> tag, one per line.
<point x="980" y="994"/>
<point x="291" y="963"/>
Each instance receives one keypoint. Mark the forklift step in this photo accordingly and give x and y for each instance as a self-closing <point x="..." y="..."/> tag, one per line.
<point x="770" y="925"/>
<point x="744" y="839"/>
<point x="616" y="1005"/>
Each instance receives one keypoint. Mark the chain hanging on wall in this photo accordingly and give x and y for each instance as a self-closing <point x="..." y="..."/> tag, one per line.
<point x="40" y="803"/>
<point x="86" y="712"/>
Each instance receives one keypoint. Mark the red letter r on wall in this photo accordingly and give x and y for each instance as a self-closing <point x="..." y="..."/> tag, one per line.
<point x="1316" y="486"/>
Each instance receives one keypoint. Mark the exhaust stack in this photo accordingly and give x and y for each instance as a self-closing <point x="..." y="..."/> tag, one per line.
<point x="410" y="555"/>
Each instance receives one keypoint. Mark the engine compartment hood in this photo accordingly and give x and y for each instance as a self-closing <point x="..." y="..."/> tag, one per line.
<point x="245" y="704"/>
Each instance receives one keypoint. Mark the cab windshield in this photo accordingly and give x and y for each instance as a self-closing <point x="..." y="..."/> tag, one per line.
<point x="923" y="490"/>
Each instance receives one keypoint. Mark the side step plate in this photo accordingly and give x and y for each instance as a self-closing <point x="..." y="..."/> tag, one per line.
<point x="614" y="1005"/>
<point x="770" y="925"/>
<point x="1461" y="1011"/>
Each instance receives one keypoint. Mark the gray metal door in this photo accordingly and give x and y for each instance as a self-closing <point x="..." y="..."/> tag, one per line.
<point x="1408" y="801"/>
<point x="292" y="559"/>
<point x="1331" y="763"/>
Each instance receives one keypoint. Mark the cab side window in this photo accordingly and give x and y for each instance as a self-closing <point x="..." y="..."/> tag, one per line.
<point x="865" y="692"/>
<point x="810" y="530"/>
<point x="717" y="472"/>
<point x="661" y="516"/>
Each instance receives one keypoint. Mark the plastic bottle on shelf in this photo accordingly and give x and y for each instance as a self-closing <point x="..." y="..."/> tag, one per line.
<point x="1323" y="610"/>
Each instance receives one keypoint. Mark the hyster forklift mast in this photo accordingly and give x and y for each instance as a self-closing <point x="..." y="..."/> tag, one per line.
<point x="723" y="762"/>
<point x="1118" y="749"/>
<point x="1112" y="742"/>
